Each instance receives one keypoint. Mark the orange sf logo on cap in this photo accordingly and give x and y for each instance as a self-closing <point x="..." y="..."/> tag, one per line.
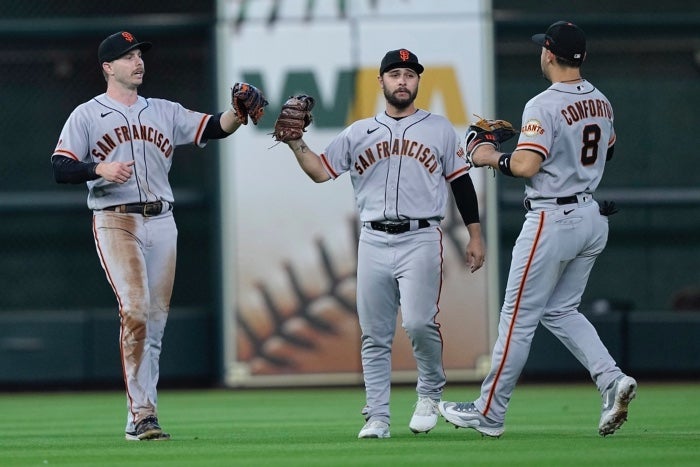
<point x="404" y="54"/>
<point x="128" y="37"/>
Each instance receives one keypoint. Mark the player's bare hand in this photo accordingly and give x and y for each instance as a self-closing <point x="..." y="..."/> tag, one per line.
<point x="116" y="172"/>
<point x="476" y="255"/>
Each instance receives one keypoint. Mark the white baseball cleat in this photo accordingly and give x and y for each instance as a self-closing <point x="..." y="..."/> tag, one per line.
<point x="375" y="429"/>
<point x="425" y="416"/>
<point x="616" y="400"/>
<point x="466" y="415"/>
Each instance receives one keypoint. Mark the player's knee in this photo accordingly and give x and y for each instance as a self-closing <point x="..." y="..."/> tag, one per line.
<point x="418" y="328"/>
<point x="159" y="312"/>
<point x="134" y="312"/>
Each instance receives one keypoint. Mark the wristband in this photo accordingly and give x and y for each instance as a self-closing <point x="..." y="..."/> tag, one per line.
<point x="504" y="164"/>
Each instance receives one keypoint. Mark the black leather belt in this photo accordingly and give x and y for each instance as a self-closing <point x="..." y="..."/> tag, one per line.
<point x="560" y="201"/>
<point x="567" y="200"/>
<point x="397" y="228"/>
<point x="145" y="209"/>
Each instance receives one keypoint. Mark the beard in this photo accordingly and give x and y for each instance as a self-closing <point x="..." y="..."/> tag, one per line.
<point x="400" y="103"/>
<point x="545" y="75"/>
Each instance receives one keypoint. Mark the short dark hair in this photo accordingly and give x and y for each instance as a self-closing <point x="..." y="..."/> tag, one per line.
<point x="567" y="63"/>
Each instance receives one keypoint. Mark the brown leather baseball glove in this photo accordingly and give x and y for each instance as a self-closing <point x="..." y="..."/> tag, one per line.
<point x="293" y="119"/>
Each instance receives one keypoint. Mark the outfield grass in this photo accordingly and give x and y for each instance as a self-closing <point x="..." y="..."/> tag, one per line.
<point x="547" y="425"/>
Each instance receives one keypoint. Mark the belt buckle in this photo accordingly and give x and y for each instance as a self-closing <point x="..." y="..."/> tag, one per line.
<point x="152" y="209"/>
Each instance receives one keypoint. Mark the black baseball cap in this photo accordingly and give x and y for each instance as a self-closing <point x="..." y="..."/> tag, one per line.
<point x="118" y="44"/>
<point x="564" y="39"/>
<point x="400" y="58"/>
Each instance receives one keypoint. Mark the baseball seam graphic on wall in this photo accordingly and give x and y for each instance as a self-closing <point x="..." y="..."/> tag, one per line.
<point x="290" y="246"/>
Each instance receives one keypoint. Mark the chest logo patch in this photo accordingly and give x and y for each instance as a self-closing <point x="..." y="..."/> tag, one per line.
<point x="532" y="128"/>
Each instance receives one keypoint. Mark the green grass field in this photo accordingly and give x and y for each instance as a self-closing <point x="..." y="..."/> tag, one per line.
<point x="547" y="425"/>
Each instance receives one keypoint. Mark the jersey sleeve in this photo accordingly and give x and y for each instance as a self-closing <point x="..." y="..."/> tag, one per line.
<point x="188" y="124"/>
<point x="336" y="156"/>
<point x="73" y="142"/>
<point x="537" y="131"/>
<point x="455" y="161"/>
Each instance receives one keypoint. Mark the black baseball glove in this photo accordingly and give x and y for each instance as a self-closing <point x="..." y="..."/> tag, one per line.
<point x="486" y="131"/>
<point x="608" y="208"/>
<point x="247" y="101"/>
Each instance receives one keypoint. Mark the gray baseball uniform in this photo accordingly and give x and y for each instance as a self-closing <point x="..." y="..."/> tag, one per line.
<point x="133" y="225"/>
<point x="399" y="170"/>
<point x="571" y="127"/>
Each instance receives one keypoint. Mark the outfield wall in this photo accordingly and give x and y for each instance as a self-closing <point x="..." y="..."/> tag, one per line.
<point x="58" y="314"/>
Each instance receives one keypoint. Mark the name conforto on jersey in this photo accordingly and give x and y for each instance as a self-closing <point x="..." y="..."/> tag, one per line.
<point x="122" y="135"/>
<point x="406" y="147"/>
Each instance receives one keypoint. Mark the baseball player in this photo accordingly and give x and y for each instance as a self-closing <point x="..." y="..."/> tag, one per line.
<point x="567" y="137"/>
<point x="400" y="162"/>
<point x="122" y="145"/>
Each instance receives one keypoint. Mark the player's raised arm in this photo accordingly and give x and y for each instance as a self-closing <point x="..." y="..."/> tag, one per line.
<point x="309" y="161"/>
<point x="290" y="126"/>
<point x="521" y="163"/>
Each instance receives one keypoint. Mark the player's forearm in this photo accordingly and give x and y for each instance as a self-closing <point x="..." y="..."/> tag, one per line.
<point x="67" y="170"/>
<point x="486" y="156"/>
<point x="524" y="164"/>
<point x="466" y="199"/>
<point x="309" y="161"/>
<point x="474" y="230"/>
<point x="229" y="122"/>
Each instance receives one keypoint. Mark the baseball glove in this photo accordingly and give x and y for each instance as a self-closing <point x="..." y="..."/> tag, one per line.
<point x="608" y="208"/>
<point x="293" y="119"/>
<point x="247" y="101"/>
<point x="486" y="131"/>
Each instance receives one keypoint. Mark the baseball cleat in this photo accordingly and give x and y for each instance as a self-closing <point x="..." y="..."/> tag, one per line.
<point x="131" y="436"/>
<point x="147" y="429"/>
<point x="616" y="400"/>
<point x="375" y="429"/>
<point x="425" y="416"/>
<point x="466" y="415"/>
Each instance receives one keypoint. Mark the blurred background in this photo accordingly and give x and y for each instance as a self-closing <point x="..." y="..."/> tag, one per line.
<point x="58" y="319"/>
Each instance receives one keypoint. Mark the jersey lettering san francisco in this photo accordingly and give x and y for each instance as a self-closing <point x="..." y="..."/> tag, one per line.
<point x="103" y="130"/>
<point x="571" y="127"/>
<point x="398" y="166"/>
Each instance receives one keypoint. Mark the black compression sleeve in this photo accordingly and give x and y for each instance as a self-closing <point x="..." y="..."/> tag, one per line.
<point x="213" y="129"/>
<point x="465" y="198"/>
<point x="67" y="170"/>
